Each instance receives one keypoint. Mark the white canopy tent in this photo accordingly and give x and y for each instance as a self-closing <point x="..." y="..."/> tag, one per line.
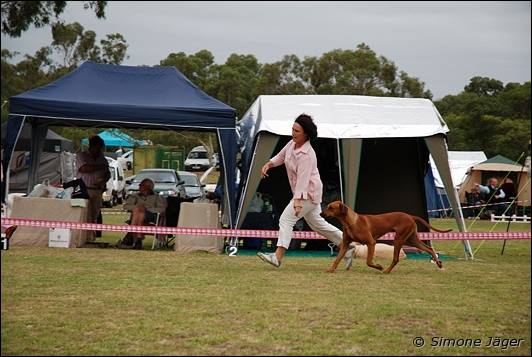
<point x="359" y="125"/>
<point x="459" y="163"/>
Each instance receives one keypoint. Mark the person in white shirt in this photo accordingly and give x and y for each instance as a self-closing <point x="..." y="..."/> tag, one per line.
<point x="93" y="169"/>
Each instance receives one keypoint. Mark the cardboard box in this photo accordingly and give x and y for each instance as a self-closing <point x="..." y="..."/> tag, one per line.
<point x="59" y="238"/>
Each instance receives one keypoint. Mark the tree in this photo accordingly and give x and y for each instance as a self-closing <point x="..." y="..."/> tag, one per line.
<point x="488" y="116"/>
<point x="17" y="16"/>
<point x="284" y="77"/>
<point x="360" y="72"/>
<point x="77" y="45"/>
<point x="74" y="45"/>
<point x="484" y="86"/>
<point x="235" y="82"/>
<point x="197" y="67"/>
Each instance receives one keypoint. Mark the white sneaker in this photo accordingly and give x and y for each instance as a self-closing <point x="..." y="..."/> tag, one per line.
<point x="348" y="257"/>
<point x="270" y="258"/>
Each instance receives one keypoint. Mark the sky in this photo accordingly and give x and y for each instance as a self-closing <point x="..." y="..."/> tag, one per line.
<point x="444" y="44"/>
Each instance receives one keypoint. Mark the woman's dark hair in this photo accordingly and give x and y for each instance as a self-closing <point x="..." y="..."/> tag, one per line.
<point x="95" y="140"/>
<point x="308" y="126"/>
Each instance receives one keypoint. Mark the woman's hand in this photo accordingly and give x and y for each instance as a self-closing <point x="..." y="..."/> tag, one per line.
<point x="265" y="168"/>
<point x="298" y="205"/>
<point x="297" y="210"/>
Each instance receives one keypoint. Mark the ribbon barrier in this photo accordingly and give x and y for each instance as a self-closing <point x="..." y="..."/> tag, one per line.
<point x="250" y="233"/>
<point x="475" y="206"/>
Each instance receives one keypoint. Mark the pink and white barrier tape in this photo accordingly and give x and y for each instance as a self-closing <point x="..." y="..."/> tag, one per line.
<point x="250" y="233"/>
<point x="475" y="206"/>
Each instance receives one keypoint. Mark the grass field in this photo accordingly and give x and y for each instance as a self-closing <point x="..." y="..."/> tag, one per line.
<point x="124" y="302"/>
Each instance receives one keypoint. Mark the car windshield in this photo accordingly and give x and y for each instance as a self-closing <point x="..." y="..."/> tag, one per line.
<point x="197" y="155"/>
<point x="190" y="180"/>
<point x="156" y="176"/>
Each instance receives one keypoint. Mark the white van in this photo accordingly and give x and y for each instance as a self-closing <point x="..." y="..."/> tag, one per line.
<point x="197" y="159"/>
<point x="115" y="187"/>
<point x="126" y="160"/>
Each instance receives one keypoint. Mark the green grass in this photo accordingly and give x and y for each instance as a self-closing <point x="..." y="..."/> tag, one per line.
<point x="124" y="302"/>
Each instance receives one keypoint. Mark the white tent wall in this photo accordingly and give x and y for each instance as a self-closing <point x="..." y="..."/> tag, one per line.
<point x="459" y="163"/>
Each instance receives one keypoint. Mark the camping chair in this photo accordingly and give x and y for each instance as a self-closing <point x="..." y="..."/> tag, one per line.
<point x="162" y="240"/>
<point x="159" y="240"/>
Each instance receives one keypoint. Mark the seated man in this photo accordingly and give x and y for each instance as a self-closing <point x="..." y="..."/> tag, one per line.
<point x="494" y="195"/>
<point x="144" y="206"/>
<point x="474" y="198"/>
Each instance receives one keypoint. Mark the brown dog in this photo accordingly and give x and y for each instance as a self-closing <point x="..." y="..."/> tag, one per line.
<point x="366" y="229"/>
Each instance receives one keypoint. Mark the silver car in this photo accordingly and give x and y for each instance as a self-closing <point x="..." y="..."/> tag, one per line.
<point x="193" y="187"/>
<point x="168" y="182"/>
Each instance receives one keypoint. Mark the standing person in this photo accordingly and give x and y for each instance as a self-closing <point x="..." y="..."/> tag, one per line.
<point x="93" y="169"/>
<point x="301" y="166"/>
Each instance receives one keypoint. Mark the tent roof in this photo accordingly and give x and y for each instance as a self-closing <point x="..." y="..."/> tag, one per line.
<point x="115" y="137"/>
<point x="498" y="163"/>
<point x="346" y="116"/>
<point x="125" y="94"/>
<point x="499" y="159"/>
<point x="459" y="163"/>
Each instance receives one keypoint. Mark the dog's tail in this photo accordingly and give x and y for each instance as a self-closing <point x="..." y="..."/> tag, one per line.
<point x="426" y="224"/>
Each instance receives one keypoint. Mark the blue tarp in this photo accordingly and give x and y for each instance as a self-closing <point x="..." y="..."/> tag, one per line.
<point x="126" y="97"/>
<point x="115" y="137"/>
<point x="436" y="198"/>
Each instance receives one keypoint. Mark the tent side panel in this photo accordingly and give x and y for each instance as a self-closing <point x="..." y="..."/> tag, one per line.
<point x="264" y="147"/>
<point x="438" y="150"/>
<point x="351" y="150"/>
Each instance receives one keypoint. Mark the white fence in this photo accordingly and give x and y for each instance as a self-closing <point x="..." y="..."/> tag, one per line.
<point x="512" y="218"/>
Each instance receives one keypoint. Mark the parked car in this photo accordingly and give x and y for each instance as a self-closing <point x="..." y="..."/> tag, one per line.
<point x="115" y="186"/>
<point x="197" y="159"/>
<point x="193" y="187"/>
<point x="129" y="181"/>
<point x="126" y="160"/>
<point x="168" y="183"/>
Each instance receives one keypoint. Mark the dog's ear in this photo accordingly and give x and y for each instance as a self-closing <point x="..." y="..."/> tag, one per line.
<point x="343" y="209"/>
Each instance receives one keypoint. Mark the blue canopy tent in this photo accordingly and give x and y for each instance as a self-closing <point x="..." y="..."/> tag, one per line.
<point x="115" y="137"/>
<point x="124" y="97"/>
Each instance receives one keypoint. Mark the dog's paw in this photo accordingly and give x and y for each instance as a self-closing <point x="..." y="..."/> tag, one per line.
<point x="330" y="270"/>
<point x="378" y="266"/>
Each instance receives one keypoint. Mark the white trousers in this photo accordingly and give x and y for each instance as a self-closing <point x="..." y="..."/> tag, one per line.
<point x="311" y="212"/>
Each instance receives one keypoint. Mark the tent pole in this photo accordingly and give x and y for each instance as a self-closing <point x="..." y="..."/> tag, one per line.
<point x="515" y="199"/>
<point x="442" y="204"/>
<point x="438" y="149"/>
<point x="8" y="151"/>
<point x="338" y="150"/>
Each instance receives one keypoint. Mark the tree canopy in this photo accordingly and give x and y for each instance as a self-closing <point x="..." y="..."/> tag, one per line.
<point x="17" y="16"/>
<point x="489" y="116"/>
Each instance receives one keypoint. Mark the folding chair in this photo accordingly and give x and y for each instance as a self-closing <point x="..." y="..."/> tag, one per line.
<point x="162" y="240"/>
<point x="159" y="220"/>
